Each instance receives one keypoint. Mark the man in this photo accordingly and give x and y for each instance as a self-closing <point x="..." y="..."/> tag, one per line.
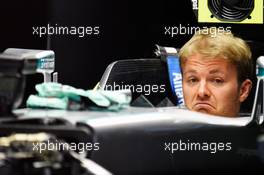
<point x="216" y="67"/>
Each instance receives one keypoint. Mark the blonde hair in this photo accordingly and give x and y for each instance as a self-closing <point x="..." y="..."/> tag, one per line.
<point x="215" y="42"/>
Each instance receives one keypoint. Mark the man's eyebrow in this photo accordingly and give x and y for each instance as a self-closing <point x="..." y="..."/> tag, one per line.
<point x="216" y="71"/>
<point x="190" y="71"/>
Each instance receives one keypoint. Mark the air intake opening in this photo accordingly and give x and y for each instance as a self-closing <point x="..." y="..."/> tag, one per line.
<point x="231" y="10"/>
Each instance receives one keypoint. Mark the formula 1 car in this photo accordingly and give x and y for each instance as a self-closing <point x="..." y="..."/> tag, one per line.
<point x="151" y="137"/>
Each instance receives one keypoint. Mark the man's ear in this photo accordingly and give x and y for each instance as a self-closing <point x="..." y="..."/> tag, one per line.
<point x="245" y="90"/>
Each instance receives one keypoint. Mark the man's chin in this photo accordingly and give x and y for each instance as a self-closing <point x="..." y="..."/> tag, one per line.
<point x="203" y="111"/>
<point x="206" y="111"/>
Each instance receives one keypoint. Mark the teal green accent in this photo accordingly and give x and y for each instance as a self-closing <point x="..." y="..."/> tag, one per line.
<point x="46" y="63"/>
<point x="56" y="95"/>
<point x="260" y="71"/>
<point x="34" y="101"/>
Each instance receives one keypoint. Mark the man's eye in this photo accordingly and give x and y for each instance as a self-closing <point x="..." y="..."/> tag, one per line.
<point x="218" y="81"/>
<point x="192" y="80"/>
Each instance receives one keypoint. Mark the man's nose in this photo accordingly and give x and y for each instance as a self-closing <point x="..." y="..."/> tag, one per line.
<point x="203" y="91"/>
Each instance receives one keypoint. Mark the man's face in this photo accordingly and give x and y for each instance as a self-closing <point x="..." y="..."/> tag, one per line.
<point x="211" y="86"/>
